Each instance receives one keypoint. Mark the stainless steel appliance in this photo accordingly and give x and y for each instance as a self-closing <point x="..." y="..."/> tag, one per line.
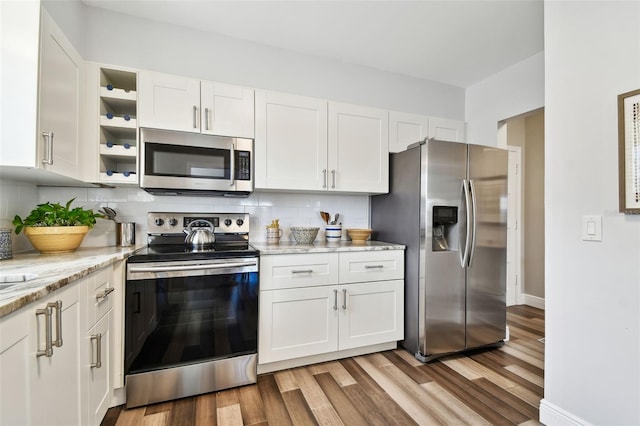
<point x="448" y="204"/>
<point x="184" y="163"/>
<point x="191" y="311"/>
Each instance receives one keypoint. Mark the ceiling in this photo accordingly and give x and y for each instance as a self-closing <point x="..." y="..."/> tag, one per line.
<point x="458" y="42"/>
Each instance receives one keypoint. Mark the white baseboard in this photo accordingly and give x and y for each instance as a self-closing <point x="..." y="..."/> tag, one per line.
<point x="552" y="415"/>
<point x="535" y="301"/>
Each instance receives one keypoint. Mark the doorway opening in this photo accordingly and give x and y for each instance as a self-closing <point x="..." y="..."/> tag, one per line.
<point x="524" y="137"/>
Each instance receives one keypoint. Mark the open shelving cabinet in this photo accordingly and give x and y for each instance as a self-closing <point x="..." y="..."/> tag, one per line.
<point x="118" y="126"/>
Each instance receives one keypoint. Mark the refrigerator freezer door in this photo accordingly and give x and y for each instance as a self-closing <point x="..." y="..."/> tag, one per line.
<point x="442" y="323"/>
<point x="486" y="275"/>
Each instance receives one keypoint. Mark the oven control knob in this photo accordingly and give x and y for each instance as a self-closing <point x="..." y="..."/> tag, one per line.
<point x="239" y="222"/>
<point x="227" y="222"/>
<point x="159" y="222"/>
<point x="173" y="221"/>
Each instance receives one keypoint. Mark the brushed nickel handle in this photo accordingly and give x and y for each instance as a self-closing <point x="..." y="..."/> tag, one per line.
<point x="58" y="307"/>
<point x="206" y="118"/>
<point x="302" y="271"/>
<point x="195" y="111"/>
<point x="324" y="178"/>
<point x="232" y="172"/>
<point x="374" y="267"/>
<point x="105" y="293"/>
<point x="98" y="339"/>
<point x="344" y="298"/>
<point x="335" y="300"/>
<point x="49" y="144"/>
<point x="333" y="178"/>
<point x="48" y="351"/>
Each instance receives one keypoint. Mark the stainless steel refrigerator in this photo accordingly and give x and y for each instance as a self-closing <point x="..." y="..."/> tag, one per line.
<point x="448" y="204"/>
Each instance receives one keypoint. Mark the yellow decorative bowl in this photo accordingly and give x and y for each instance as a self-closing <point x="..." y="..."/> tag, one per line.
<point x="56" y="239"/>
<point x="359" y="236"/>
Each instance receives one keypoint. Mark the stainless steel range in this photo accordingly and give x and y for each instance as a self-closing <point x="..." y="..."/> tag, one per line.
<point x="191" y="308"/>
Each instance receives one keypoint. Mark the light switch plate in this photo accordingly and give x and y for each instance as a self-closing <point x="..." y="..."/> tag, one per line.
<point x="592" y="228"/>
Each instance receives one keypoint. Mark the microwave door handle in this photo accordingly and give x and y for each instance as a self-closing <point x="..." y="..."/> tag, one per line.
<point x="233" y="167"/>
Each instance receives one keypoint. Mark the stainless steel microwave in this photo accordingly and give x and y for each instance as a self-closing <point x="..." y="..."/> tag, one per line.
<point x="182" y="163"/>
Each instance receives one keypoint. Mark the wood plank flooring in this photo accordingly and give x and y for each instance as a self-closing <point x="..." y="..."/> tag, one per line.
<point x="487" y="387"/>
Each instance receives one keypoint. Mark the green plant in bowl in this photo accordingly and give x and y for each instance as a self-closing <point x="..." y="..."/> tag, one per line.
<point x="55" y="214"/>
<point x="54" y="228"/>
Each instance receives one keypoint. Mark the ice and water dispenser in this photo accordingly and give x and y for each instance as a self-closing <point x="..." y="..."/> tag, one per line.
<point x="445" y="231"/>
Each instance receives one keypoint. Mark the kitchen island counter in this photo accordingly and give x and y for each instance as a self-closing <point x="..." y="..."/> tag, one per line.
<point x="291" y="247"/>
<point x="53" y="271"/>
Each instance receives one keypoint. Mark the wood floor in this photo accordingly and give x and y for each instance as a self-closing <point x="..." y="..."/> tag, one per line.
<point x="492" y="387"/>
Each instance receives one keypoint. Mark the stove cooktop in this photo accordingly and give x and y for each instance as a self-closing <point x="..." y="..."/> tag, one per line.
<point x="166" y="236"/>
<point x="174" y="252"/>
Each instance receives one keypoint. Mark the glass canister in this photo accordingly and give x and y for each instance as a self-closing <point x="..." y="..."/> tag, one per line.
<point x="5" y="243"/>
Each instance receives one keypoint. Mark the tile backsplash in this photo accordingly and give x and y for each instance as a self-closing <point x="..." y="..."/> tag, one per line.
<point x="132" y="205"/>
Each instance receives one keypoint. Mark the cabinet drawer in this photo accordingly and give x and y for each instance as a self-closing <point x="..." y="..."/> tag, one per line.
<point x="99" y="295"/>
<point x="365" y="266"/>
<point x="298" y="270"/>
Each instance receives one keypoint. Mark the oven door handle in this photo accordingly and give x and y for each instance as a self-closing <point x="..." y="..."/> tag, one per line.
<point x="134" y="269"/>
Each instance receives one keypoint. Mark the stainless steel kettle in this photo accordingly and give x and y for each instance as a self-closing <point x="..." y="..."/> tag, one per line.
<point x="200" y="236"/>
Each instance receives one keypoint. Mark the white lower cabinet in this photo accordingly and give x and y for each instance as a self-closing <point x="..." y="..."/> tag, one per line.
<point x="55" y="356"/>
<point x="98" y="292"/>
<point x="324" y="316"/>
<point x="54" y="378"/>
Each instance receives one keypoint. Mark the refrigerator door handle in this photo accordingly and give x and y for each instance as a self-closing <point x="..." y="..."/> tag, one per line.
<point x="474" y="204"/>
<point x="464" y="256"/>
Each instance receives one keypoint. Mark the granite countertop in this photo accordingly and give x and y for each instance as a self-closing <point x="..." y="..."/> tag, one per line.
<point x="52" y="271"/>
<point x="291" y="247"/>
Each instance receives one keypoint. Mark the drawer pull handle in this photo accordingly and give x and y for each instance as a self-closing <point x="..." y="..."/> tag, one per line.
<point x="98" y="339"/>
<point x="335" y="300"/>
<point x="105" y="293"/>
<point x="58" y="307"/>
<point x="374" y="267"/>
<point x="302" y="271"/>
<point x="48" y="351"/>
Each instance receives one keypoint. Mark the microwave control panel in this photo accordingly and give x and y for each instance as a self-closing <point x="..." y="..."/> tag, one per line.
<point x="243" y="165"/>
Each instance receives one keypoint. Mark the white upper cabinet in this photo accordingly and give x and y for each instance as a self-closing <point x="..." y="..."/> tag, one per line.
<point x="358" y="149"/>
<point x="59" y="102"/>
<point x="226" y="110"/>
<point x="446" y="130"/>
<point x="310" y="144"/>
<point x="168" y="102"/>
<point x="406" y="129"/>
<point x="291" y="142"/>
<point x="178" y="103"/>
<point x="42" y="130"/>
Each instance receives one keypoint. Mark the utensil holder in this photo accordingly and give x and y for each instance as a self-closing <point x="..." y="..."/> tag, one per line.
<point x="125" y="234"/>
<point x="274" y="235"/>
<point x="333" y="233"/>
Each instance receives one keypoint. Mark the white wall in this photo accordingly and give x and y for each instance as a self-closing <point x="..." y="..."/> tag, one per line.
<point x="127" y="41"/>
<point x="592" y="354"/>
<point x="516" y="90"/>
<point x="16" y="198"/>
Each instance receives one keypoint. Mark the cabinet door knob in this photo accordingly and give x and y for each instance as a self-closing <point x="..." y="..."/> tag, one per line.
<point x="324" y="178"/>
<point x="344" y="298"/>
<point x="335" y="300"/>
<point x="333" y="178"/>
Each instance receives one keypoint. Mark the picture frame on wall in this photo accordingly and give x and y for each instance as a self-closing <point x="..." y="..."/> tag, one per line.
<point x="629" y="151"/>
